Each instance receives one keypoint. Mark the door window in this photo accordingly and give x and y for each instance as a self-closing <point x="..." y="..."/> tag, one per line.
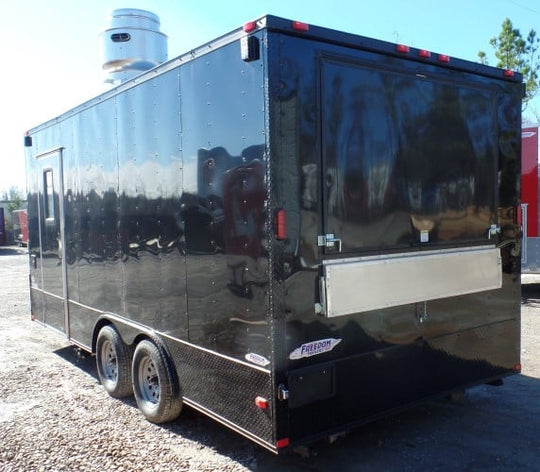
<point x="48" y="194"/>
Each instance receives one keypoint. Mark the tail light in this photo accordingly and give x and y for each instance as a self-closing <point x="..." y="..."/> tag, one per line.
<point x="282" y="443"/>
<point x="280" y="224"/>
<point x="261" y="402"/>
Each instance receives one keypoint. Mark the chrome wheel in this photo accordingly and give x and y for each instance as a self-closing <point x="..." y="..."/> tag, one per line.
<point x="149" y="381"/>
<point x="109" y="362"/>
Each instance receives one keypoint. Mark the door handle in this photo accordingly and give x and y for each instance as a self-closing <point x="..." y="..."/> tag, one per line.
<point x="493" y="230"/>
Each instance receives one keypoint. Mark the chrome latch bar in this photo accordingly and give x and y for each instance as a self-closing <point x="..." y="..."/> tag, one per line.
<point x="493" y="230"/>
<point x="329" y="240"/>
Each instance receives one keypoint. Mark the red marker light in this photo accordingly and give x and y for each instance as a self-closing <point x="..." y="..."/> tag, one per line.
<point x="249" y="26"/>
<point x="282" y="443"/>
<point x="261" y="402"/>
<point x="281" y="224"/>
<point x="299" y="26"/>
<point x="423" y="53"/>
<point x="402" y="48"/>
<point x="517" y="367"/>
<point x="444" y="58"/>
<point x="509" y="73"/>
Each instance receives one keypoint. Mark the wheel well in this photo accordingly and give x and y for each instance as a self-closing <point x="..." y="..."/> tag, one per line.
<point x="101" y="322"/>
<point x="141" y="337"/>
<point x="129" y="335"/>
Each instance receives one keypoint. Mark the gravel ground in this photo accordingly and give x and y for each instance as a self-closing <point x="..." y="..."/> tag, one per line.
<point x="54" y="415"/>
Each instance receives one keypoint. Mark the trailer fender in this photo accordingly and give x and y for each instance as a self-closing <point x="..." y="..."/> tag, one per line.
<point x="129" y="331"/>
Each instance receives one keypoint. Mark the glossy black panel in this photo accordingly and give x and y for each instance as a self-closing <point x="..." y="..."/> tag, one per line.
<point x="149" y="205"/>
<point x="386" y="379"/>
<point x="223" y="211"/>
<point x="409" y="160"/>
<point x="172" y="167"/>
<point x="376" y="149"/>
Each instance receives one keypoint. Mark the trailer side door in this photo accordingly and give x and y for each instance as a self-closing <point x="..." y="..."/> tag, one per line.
<point x="48" y="264"/>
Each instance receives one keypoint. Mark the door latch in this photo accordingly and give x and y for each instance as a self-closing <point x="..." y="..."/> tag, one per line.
<point x="329" y="240"/>
<point x="493" y="230"/>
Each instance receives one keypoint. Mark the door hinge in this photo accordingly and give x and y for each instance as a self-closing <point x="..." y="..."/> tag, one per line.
<point x="328" y="240"/>
<point x="320" y="306"/>
<point x="282" y="393"/>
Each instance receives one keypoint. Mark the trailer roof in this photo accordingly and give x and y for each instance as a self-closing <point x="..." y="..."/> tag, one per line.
<point x="308" y="31"/>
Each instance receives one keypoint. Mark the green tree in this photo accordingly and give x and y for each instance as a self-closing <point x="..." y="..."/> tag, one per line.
<point x="15" y="198"/>
<point x="514" y="52"/>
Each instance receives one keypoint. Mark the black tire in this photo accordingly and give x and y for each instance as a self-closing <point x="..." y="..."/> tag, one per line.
<point x="155" y="383"/>
<point x="113" y="361"/>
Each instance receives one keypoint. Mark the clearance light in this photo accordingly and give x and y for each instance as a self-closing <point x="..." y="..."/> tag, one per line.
<point x="261" y="402"/>
<point x="509" y="73"/>
<point x="282" y="443"/>
<point x="249" y="26"/>
<point x="423" y="53"/>
<point x="299" y="26"/>
<point x="402" y="48"/>
<point x="517" y="367"/>
<point x="444" y="58"/>
<point x="281" y="224"/>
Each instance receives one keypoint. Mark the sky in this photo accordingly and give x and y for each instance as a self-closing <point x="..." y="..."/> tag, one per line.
<point x="51" y="56"/>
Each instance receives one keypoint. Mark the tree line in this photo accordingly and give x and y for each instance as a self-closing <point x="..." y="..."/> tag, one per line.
<point x="519" y="53"/>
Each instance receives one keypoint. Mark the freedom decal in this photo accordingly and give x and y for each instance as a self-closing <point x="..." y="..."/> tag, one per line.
<point x="314" y="347"/>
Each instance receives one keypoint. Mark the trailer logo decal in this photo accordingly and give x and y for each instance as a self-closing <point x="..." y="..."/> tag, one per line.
<point x="257" y="359"/>
<point x="315" y="347"/>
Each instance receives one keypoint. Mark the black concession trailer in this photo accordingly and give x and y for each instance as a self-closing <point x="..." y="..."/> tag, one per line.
<point x="291" y="229"/>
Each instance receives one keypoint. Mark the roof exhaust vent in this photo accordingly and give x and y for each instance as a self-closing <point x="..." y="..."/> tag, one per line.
<point x="131" y="44"/>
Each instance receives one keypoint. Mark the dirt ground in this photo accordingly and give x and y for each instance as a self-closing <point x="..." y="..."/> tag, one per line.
<point x="54" y="415"/>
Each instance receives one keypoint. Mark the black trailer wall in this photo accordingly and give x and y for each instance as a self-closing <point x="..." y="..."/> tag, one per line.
<point x="164" y="203"/>
<point x="390" y="156"/>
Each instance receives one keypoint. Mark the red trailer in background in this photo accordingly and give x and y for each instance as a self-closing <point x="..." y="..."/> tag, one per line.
<point x="530" y="254"/>
<point x="20" y="227"/>
<point x="2" y="227"/>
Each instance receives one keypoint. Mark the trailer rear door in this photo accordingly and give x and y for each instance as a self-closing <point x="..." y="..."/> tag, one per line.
<point x="406" y="171"/>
